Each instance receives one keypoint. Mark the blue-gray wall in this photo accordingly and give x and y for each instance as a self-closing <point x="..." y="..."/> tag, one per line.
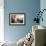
<point x="43" y="6"/>
<point x="29" y="7"/>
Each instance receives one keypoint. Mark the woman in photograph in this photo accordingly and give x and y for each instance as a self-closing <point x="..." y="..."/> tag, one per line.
<point x="12" y="19"/>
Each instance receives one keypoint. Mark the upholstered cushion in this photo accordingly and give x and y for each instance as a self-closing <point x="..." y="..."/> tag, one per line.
<point x="20" y="42"/>
<point x="9" y="43"/>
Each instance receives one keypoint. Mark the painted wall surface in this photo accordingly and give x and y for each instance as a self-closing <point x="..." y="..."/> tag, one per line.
<point x="43" y="6"/>
<point x="29" y="7"/>
<point x="1" y="20"/>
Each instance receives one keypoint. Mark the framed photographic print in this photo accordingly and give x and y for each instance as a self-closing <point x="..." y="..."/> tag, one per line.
<point x="16" y="18"/>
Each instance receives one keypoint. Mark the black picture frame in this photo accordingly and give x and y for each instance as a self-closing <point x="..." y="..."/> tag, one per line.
<point x="17" y="19"/>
